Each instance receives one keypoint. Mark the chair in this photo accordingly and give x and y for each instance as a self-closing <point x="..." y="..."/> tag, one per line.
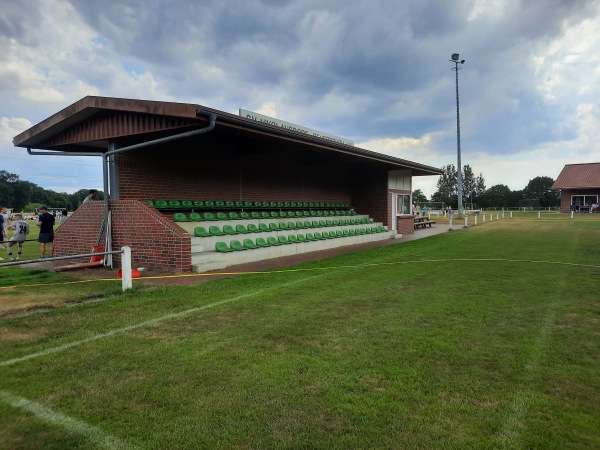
<point x="215" y="231"/>
<point x="286" y="204"/>
<point x="346" y="233"/>
<point x="255" y="215"/>
<point x="283" y="214"/>
<point x="201" y="232"/>
<point x="280" y="204"/>
<point x="265" y="215"/>
<point x="329" y="223"/>
<point x="283" y="226"/>
<point x="247" y="204"/>
<point x="320" y="213"/>
<point x="318" y="236"/>
<point x="304" y="214"/>
<point x="209" y="204"/>
<point x="198" y="204"/>
<point x="283" y="240"/>
<point x="249" y="244"/>
<point x="263" y="227"/>
<point x="222" y="247"/>
<point x="252" y="228"/>
<point x="186" y="203"/>
<point x="315" y="224"/>
<point x="352" y="232"/>
<point x="274" y="214"/>
<point x="195" y="217"/>
<point x="291" y="226"/>
<point x="313" y="214"/>
<point x="237" y="246"/>
<point x="339" y="233"/>
<point x="273" y="226"/>
<point x="238" y="204"/>
<point x="228" y="229"/>
<point x="209" y="216"/>
<point x="234" y="216"/>
<point x="293" y="205"/>
<point x="219" y="204"/>
<point x="301" y="238"/>
<point x="300" y="225"/>
<point x="244" y="215"/>
<point x="258" y="204"/>
<point x="150" y="202"/>
<point x="160" y="204"/>
<point x="241" y="229"/>
<point x="310" y="237"/>
<point x="174" y="204"/>
<point x="335" y="222"/>
<point x="307" y="224"/>
<point x="180" y="217"/>
<point x="292" y="239"/>
<point x="322" y="223"/>
<point x="222" y="216"/>
<point x="271" y="240"/>
<point x="260" y="242"/>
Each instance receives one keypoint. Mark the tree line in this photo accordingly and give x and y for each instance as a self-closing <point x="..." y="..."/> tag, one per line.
<point x="21" y="195"/>
<point x="497" y="196"/>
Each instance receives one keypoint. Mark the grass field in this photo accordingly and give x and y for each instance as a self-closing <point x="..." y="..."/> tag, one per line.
<point x="485" y="337"/>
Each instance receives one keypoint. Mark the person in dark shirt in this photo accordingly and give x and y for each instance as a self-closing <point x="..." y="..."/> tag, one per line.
<point x="46" y="224"/>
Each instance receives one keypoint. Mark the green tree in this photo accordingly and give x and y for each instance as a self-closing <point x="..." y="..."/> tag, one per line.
<point x="469" y="182"/>
<point x="540" y="188"/>
<point x="418" y="196"/>
<point x="497" y="196"/>
<point x="447" y="186"/>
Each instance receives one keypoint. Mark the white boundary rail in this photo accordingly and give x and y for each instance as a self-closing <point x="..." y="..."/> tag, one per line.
<point x="125" y="263"/>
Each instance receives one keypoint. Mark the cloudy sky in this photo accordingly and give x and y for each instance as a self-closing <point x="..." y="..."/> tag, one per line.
<point x="373" y="71"/>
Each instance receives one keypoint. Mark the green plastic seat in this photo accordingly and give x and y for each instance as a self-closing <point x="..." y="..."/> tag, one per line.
<point x="247" y="204"/>
<point x="335" y="222"/>
<point x="292" y="239"/>
<point x="241" y="229"/>
<point x="300" y="225"/>
<point x="252" y="228"/>
<point x="174" y="204"/>
<point x="209" y="204"/>
<point x="273" y="226"/>
<point x="249" y="244"/>
<point x="234" y="216"/>
<point x="310" y="237"/>
<point x="293" y="205"/>
<point x="329" y="223"/>
<point x="352" y="232"/>
<point x="313" y="214"/>
<point x="150" y="202"/>
<point x="229" y="204"/>
<point x="322" y="223"/>
<point x="298" y="214"/>
<point x="186" y="203"/>
<point x="346" y="233"/>
<point x="307" y="224"/>
<point x="272" y="240"/>
<point x="228" y="229"/>
<point x="283" y="226"/>
<point x="339" y="233"/>
<point x="258" y="204"/>
<point x="265" y="215"/>
<point x="209" y="216"/>
<point x="237" y="246"/>
<point x="263" y="227"/>
<point x="161" y="204"/>
<point x="318" y="235"/>
<point x="215" y="231"/>
<point x="201" y="232"/>
<point x="283" y="240"/>
<point x="222" y="216"/>
<point x="273" y="204"/>
<point x="180" y="217"/>
<point x="219" y="204"/>
<point x="301" y="238"/>
<point x="315" y="224"/>
<point x="291" y="226"/>
<point x="244" y="215"/>
<point x="326" y="213"/>
<point x="238" y="204"/>
<point x="283" y="214"/>
<point x="255" y="215"/>
<point x="320" y="213"/>
<point x="280" y="204"/>
<point x="261" y="242"/>
<point x="195" y="217"/>
<point x="347" y="221"/>
<point x="286" y="204"/>
<point x="274" y="214"/>
<point x="198" y="204"/>
<point x="222" y="247"/>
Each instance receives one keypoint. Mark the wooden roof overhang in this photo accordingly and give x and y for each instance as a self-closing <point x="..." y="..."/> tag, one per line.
<point x="89" y="124"/>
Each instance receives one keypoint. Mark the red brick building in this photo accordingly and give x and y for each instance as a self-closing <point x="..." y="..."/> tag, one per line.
<point x="579" y="186"/>
<point x="161" y="150"/>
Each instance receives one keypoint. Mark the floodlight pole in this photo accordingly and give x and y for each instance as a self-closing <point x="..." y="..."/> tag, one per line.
<point x="456" y="62"/>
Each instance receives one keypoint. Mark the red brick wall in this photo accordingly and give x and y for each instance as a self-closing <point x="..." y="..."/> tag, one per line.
<point x="406" y="225"/>
<point x="565" y="197"/>
<point x="156" y="242"/>
<point x="370" y="195"/>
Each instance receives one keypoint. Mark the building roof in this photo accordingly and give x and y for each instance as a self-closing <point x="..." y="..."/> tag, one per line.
<point x="89" y="124"/>
<point x="578" y="176"/>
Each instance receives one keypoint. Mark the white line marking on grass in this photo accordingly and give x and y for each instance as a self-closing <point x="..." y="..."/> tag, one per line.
<point x="69" y="345"/>
<point x="94" y="434"/>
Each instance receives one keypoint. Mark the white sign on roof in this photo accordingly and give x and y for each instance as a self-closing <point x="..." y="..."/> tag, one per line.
<point x="293" y="127"/>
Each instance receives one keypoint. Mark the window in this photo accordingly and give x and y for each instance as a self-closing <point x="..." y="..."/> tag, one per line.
<point x="403" y="204"/>
<point x="582" y="202"/>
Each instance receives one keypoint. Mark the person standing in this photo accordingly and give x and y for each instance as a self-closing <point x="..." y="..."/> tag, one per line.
<point x="64" y="215"/>
<point x="3" y="235"/>
<point x="46" y="224"/>
<point x="21" y="228"/>
<point x="91" y="196"/>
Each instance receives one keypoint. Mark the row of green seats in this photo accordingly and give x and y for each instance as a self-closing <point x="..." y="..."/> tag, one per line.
<point x="218" y="204"/>
<point x="214" y="230"/>
<point x="248" y="244"/>
<point x="197" y="217"/>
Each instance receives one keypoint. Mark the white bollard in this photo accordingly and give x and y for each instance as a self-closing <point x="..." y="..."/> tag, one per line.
<point x="484" y="218"/>
<point x="126" y="269"/>
<point x="466" y="221"/>
<point x="539" y="214"/>
<point x="571" y="214"/>
<point x="450" y="222"/>
<point x="476" y="220"/>
<point x="497" y="217"/>
<point x="491" y="218"/>
<point x="511" y="214"/>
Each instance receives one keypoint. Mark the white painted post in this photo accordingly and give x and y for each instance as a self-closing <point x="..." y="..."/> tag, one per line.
<point x="539" y="214"/>
<point x="450" y="222"/>
<point x="126" y="268"/>
<point x="511" y="214"/>
<point x="503" y="213"/>
<point x="497" y="217"/>
<point x="491" y="217"/>
<point x="571" y="214"/>
<point x="466" y="221"/>
<point x="475" y="219"/>
<point x="484" y="218"/>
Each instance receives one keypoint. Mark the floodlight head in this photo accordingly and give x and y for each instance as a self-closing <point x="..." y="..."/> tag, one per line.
<point x="454" y="56"/>
<point x="463" y="61"/>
